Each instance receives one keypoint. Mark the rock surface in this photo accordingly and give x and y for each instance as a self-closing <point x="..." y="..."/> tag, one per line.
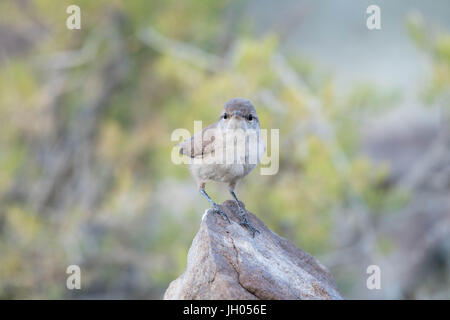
<point x="226" y="262"/>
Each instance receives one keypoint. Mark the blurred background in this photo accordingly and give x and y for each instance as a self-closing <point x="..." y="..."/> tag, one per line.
<point x="86" y="118"/>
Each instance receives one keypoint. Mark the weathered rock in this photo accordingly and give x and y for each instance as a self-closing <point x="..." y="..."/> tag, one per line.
<point x="226" y="262"/>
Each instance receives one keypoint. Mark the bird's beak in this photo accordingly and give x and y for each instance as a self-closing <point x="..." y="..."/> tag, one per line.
<point x="237" y="121"/>
<point x="237" y="114"/>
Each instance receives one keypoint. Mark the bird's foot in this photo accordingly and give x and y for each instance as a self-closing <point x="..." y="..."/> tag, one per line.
<point x="217" y="210"/>
<point x="248" y="225"/>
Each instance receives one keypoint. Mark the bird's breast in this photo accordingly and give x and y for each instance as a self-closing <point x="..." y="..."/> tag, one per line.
<point x="233" y="158"/>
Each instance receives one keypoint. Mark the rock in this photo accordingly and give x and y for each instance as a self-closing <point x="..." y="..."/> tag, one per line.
<point x="226" y="262"/>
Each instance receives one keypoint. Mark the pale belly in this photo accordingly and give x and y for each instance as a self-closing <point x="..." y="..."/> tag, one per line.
<point x="221" y="172"/>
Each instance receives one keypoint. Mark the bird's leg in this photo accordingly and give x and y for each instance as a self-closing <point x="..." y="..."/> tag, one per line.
<point x="244" y="220"/>
<point x="214" y="205"/>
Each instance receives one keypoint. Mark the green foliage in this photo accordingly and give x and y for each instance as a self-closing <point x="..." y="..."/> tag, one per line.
<point x="437" y="46"/>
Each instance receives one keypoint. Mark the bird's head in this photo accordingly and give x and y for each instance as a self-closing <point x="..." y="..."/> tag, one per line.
<point x="239" y="113"/>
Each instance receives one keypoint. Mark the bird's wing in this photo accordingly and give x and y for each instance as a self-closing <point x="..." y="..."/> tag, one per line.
<point x="200" y="144"/>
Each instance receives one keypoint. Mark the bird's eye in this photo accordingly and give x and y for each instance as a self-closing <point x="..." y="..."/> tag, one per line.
<point x="250" y="117"/>
<point x="225" y="116"/>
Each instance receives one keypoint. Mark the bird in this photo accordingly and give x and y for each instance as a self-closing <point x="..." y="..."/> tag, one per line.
<point x="227" y="151"/>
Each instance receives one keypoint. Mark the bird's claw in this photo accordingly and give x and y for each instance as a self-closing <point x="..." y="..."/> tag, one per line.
<point x="247" y="224"/>
<point x="217" y="210"/>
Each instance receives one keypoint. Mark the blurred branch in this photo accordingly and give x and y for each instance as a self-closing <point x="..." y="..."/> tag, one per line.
<point x="322" y="126"/>
<point x="74" y="58"/>
<point x="233" y="14"/>
<point x="421" y="171"/>
<point x="69" y="153"/>
<point x="181" y="50"/>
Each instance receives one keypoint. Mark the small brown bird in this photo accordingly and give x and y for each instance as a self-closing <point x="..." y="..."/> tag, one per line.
<point x="227" y="151"/>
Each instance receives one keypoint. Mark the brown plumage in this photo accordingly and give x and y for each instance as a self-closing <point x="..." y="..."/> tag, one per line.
<point x="195" y="146"/>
